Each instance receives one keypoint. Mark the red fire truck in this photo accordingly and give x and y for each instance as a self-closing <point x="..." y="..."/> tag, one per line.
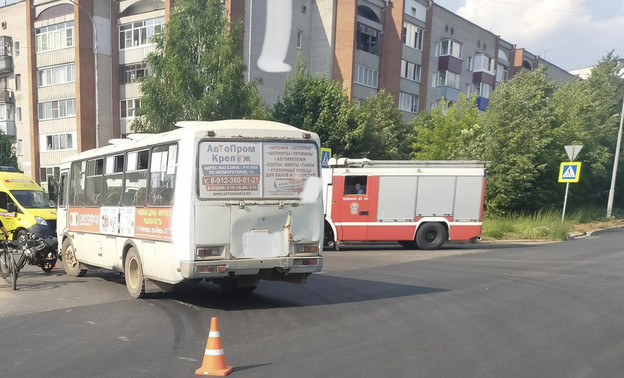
<point x="420" y="204"/>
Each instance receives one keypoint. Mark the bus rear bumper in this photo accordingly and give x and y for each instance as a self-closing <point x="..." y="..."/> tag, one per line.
<point x="270" y="268"/>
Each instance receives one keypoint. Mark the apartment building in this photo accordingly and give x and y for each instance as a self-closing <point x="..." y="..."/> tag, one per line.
<point x="70" y="69"/>
<point x="14" y="78"/>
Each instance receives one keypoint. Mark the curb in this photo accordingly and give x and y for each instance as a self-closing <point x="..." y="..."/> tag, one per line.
<point x="595" y="232"/>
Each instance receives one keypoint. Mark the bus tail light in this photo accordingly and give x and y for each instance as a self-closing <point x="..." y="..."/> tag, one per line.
<point x="309" y="262"/>
<point x="212" y="269"/>
<point x="303" y="248"/>
<point x="203" y="252"/>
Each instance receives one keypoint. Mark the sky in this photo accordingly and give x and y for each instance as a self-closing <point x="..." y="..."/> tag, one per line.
<point x="570" y="34"/>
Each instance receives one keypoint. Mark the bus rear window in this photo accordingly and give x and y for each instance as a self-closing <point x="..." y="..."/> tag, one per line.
<point x="255" y="169"/>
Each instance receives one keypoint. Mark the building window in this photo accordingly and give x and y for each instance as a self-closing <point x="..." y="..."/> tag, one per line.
<point x="469" y="65"/>
<point x="129" y="107"/>
<point x="139" y="33"/>
<point x="19" y="146"/>
<point x="18" y="114"/>
<point x="16" y="48"/>
<point x="299" y="39"/>
<point x="484" y="90"/>
<point x="7" y="112"/>
<point x="366" y="76"/>
<point x="501" y="73"/>
<point x="55" y="142"/>
<point x="408" y="102"/>
<point x="368" y="39"/>
<point x="410" y="71"/>
<point x="49" y="174"/>
<point x="133" y="72"/>
<point x="56" y="75"/>
<point x="448" y="79"/>
<point x="412" y="36"/>
<point x="57" y="109"/>
<point x="53" y="37"/>
<point x="484" y="63"/>
<point x="451" y="47"/>
<point x="18" y="82"/>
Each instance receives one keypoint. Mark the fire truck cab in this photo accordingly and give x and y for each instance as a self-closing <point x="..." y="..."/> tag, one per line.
<point x="420" y="204"/>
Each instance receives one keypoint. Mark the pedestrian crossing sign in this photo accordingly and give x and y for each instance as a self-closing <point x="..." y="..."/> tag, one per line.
<point x="570" y="171"/>
<point x="325" y="155"/>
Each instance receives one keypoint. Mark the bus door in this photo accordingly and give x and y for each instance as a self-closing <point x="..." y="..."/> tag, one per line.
<point x="354" y="208"/>
<point x="61" y="221"/>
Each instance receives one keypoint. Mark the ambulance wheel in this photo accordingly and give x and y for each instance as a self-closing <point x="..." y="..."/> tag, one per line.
<point x="431" y="236"/>
<point x="70" y="263"/>
<point x="133" y="272"/>
<point x="21" y="237"/>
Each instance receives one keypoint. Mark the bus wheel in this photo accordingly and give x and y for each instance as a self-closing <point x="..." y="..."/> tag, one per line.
<point x="70" y="263"/>
<point x="430" y="236"/>
<point x="135" y="281"/>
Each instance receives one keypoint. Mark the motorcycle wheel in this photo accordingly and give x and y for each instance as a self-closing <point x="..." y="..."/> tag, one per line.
<point x="47" y="266"/>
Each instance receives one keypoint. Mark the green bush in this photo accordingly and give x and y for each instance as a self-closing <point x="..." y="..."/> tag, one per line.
<point x="541" y="225"/>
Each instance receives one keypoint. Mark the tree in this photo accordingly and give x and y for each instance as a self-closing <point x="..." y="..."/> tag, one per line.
<point x="196" y="72"/>
<point x="316" y="104"/>
<point x="380" y="132"/>
<point x="516" y="138"/>
<point x="445" y="132"/>
<point x="7" y="152"/>
<point x="588" y="114"/>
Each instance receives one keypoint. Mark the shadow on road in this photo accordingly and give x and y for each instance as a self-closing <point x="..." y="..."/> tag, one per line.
<point x="320" y="290"/>
<point x="381" y="246"/>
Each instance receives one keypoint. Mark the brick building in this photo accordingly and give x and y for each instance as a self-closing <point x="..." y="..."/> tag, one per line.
<point x="69" y="69"/>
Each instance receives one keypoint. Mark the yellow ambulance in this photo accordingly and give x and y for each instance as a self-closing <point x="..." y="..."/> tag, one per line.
<point x="23" y="203"/>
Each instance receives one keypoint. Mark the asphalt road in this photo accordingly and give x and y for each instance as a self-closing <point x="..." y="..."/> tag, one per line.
<point x="484" y="310"/>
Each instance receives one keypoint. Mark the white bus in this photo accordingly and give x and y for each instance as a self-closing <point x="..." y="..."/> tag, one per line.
<point x="232" y="202"/>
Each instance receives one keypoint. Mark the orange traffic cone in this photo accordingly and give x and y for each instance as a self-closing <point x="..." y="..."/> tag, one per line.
<point x="214" y="359"/>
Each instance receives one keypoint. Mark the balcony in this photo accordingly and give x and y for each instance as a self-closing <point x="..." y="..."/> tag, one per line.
<point x="8" y="128"/>
<point x="7" y="97"/>
<point x="6" y="64"/>
<point x="6" y="59"/>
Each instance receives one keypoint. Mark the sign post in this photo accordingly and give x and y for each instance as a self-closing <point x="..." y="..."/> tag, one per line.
<point x="569" y="172"/>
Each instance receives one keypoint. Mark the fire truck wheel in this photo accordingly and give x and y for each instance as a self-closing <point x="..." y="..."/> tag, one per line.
<point x="135" y="281"/>
<point x="328" y="239"/>
<point x="430" y="236"/>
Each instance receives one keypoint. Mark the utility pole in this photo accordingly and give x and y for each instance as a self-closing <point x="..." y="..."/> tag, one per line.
<point x="615" y="164"/>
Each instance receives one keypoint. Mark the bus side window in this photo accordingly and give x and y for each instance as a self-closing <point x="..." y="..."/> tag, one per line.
<point x="77" y="183"/>
<point x="162" y="175"/>
<point x="135" y="178"/>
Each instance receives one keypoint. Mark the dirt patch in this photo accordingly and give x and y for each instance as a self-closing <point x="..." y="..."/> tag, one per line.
<point x="584" y="228"/>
